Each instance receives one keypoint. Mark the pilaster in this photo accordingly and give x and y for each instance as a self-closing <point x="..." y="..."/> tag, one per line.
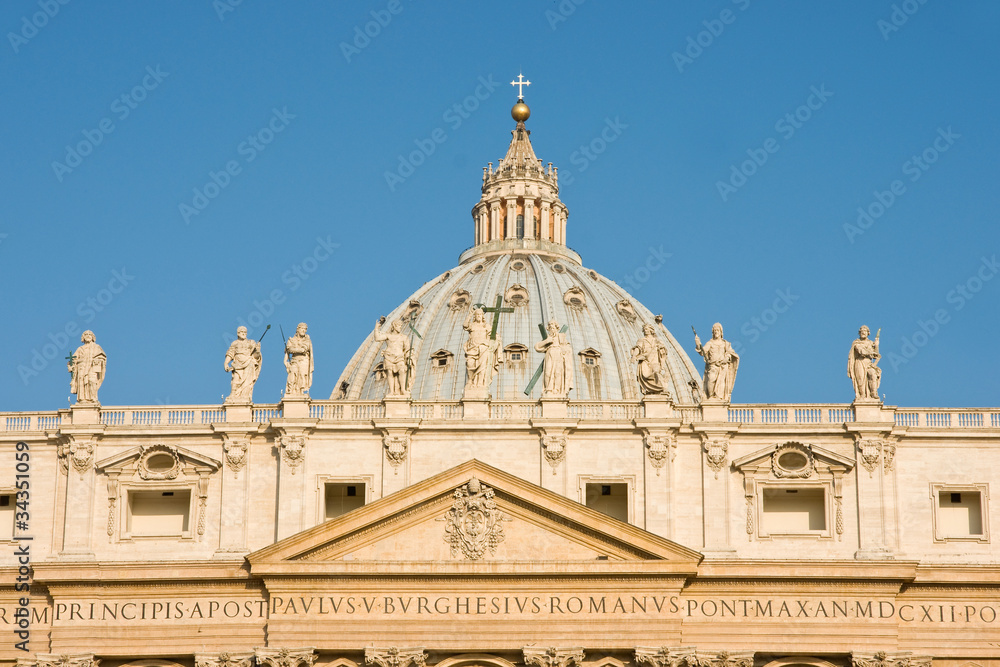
<point x="396" y="453"/>
<point x="76" y="457"/>
<point x="235" y="484"/>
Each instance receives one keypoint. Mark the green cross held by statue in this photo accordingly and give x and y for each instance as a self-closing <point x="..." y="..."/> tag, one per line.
<point x="541" y="366"/>
<point x="496" y="310"/>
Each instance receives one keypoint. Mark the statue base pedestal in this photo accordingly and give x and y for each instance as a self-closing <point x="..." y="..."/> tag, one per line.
<point x="295" y="407"/>
<point x="475" y="408"/>
<point x="88" y="413"/>
<point x="397" y="407"/>
<point x="867" y="410"/>
<point x="657" y="406"/>
<point x="714" y="410"/>
<point x="238" y="412"/>
<point x="555" y="408"/>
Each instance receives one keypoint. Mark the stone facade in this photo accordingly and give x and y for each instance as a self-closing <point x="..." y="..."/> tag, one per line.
<point x="635" y="525"/>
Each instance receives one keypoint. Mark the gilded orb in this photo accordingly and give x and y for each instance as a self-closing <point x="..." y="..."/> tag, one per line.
<point x="520" y="112"/>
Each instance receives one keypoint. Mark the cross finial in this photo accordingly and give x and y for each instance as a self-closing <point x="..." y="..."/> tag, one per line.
<point x="520" y="83"/>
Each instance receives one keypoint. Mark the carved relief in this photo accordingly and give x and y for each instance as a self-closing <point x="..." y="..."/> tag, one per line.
<point x="396" y="657"/>
<point x="870" y="451"/>
<point x="159" y="462"/>
<point x="888" y="456"/>
<point x="726" y="659"/>
<point x="396" y="446"/>
<point x="284" y="657"/>
<point x="79" y="452"/>
<point x="666" y="657"/>
<point x="473" y="524"/>
<point x="554" y="450"/>
<point x="883" y="659"/>
<point x="292" y="450"/>
<point x="792" y="460"/>
<point x="236" y="450"/>
<point x="112" y="505"/>
<point x="716" y="454"/>
<point x="53" y="660"/>
<point x="552" y="657"/>
<point x="223" y="660"/>
<point x="658" y="448"/>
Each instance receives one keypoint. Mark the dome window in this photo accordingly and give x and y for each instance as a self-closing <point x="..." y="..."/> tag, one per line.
<point x="590" y="357"/>
<point x="445" y="276"/>
<point x="413" y="309"/>
<point x="575" y="298"/>
<point x="441" y="359"/>
<point x="478" y="268"/>
<point x="559" y="268"/>
<point x="379" y="372"/>
<point x="516" y="296"/>
<point x="517" y="265"/>
<point x="593" y="274"/>
<point x="625" y="309"/>
<point x="515" y="353"/>
<point x="459" y="300"/>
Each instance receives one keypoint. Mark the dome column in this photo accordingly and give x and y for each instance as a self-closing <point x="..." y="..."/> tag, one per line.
<point x="529" y="219"/>
<point x="495" y="234"/>
<point x="544" y="231"/>
<point x="510" y="231"/>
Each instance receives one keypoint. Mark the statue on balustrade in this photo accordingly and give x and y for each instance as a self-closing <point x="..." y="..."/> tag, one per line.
<point x="243" y="361"/>
<point x="862" y="365"/>
<point x="721" y="364"/>
<point x="651" y="356"/>
<point x="482" y="355"/>
<point x="397" y="358"/>
<point x="299" y="362"/>
<point x="557" y="374"/>
<point x="87" y="367"/>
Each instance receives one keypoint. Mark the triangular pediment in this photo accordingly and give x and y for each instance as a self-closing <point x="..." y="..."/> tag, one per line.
<point x="473" y="514"/>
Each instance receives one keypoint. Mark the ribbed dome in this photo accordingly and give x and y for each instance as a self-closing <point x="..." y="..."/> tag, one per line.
<point x="539" y="284"/>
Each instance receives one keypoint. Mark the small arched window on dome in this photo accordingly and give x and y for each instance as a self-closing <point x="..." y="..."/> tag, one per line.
<point x="379" y="372"/>
<point x="590" y="360"/>
<point x="515" y="354"/>
<point x="516" y="296"/>
<point x="459" y="300"/>
<point x="413" y="309"/>
<point x="575" y="298"/>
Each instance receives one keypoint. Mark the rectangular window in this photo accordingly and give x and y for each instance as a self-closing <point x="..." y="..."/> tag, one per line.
<point x="343" y="497"/>
<point x="960" y="514"/>
<point x="159" y="513"/>
<point x="7" y="507"/>
<point x="610" y="499"/>
<point x="793" y="511"/>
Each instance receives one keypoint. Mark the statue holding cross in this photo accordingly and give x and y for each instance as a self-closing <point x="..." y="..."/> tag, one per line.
<point x="482" y="349"/>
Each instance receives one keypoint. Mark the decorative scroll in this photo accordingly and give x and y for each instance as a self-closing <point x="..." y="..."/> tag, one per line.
<point x="883" y="659"/>
<point x="293" y="451"/>
<point x="554" y="450"/>
<point x="870" y="451"/>
<point x="223" y="660"/>
<point x="53" y="660"/>
<point x="716" y="453"/>
<point x="666" y="657"/>
<point x="658" y="448"/>
<point x="285" y="657"/>
<point x="473" y="524"/>
<point x="236" y="450"/>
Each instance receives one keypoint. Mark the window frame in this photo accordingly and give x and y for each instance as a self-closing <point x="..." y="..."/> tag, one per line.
<point x="125" y="533"/>
<point x="937" y="488"/>
<point x="323" y="480"/>
<point x="630" y="492"/>
<point x="826" y="486"/>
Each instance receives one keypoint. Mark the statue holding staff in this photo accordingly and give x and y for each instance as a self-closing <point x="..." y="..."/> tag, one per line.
<point x="721" y="364"/>
<point x="87" y="367"/>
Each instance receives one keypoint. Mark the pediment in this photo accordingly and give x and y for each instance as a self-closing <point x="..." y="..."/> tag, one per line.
<point x="813" y="458"/>
<point x="473" y="514"/>
<point x="158" y="462"/>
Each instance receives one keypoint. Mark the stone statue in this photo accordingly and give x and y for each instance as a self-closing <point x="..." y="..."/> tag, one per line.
<point x="243" y="360"/>
<point x="482" y="354"/>
<point x="299" y="362"/>
<point x="721" y="364"/>
<point x="397" y="359"/>
<point x="87" y="367"/>
<point x="651" y="355"/>
<point x="557" y="377"/>
<point x="862" y="365"/>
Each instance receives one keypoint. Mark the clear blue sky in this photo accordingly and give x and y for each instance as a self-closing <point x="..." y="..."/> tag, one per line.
<point x="199" y="80"/>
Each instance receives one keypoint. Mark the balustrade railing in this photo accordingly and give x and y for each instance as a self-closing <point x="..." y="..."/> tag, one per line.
<point x="791" y="414"/>
<point x="949" y="418"/>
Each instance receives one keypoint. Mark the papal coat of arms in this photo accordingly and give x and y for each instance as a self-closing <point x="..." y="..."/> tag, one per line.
<point x="473" y="524"/>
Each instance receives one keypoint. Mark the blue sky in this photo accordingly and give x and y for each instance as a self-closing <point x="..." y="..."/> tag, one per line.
<point x="746" y="137"/>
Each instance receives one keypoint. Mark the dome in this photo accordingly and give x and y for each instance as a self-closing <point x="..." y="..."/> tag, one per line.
<point x="603" y="320"/>
<point x="520" y="261"/>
